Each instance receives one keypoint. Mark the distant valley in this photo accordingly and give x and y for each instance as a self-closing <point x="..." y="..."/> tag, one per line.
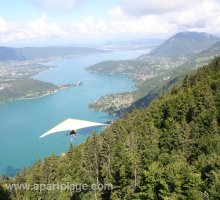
<point x="152" y="72"/>
<point x="18" y="65"/>
<point x="30" y="53"/>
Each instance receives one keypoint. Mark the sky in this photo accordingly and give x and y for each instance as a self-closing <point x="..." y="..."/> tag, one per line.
<point x="46" y="22"/>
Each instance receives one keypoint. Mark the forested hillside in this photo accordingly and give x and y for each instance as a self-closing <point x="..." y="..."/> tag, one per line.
<point x="170" y="150"/>
<point x="28" y="88"/>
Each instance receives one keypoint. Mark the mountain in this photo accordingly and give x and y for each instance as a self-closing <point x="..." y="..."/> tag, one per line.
<point x="169" y="150"/>
<point x="206" y="55"/>
<point x="45" y="52"/>
<point x="7" y="54"/>
<point x="131" y="44"/>
<point x="185" y="43"/>
<point x="16" y="54"/>
<point x="213" y="50"/>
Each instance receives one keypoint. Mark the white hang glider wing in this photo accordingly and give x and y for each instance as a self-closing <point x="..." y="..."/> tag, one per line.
<point x="71" y="124"/>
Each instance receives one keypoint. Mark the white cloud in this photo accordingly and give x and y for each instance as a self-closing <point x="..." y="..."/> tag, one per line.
<point x="146" y="7"/>
<point x="95" y="28"/>
<point x="37" y="29"/>
<point x="201" y="17"/>
<point x="5" y="26"/>
<point x="116" y="12"/>
<point x="57" y="5"/>
<point x="90" y="27"/>
<point x="144" y="25"/>
<point x="43" y="28"/>
<point x="169" y="17"/>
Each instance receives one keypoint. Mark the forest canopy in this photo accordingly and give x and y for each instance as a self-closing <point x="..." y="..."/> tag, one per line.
<point x="169" y="150"/>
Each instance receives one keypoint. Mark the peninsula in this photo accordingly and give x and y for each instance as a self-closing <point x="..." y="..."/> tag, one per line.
<point x="19" y="65"/>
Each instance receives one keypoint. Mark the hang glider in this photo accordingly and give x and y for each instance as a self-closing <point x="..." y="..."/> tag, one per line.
<point x="71" y="124"/>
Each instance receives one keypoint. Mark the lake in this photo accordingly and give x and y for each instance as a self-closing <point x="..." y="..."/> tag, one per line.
<point x="23" y="121"/>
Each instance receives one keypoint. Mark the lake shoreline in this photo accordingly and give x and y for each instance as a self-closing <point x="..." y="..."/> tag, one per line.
<point x="50" y="92"/>
<point x="24" y="120"/>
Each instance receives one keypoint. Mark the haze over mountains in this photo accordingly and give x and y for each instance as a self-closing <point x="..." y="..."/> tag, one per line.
<point x="131" y="44"/>
<point x="181" y="44"/>
<point x="185" y="43"/>
<point x="7" y="54"/>
<point x="212" y="50"/>
<point x="18" y="54"/>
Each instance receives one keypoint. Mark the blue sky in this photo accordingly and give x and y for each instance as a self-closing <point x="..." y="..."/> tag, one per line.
<point x="23" y="10"/>
<point x="62" y="21"/>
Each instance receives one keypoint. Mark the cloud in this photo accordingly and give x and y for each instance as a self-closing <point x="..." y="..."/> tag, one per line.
<point x="116" y="12"/>
<point x="169" y="17"/>
<point x="37" y="29"/>
<point x="90" y="27"/>
<point x="99" y="28"/>
<point x="203" y="17"/>
<point x="43" y="28"/>
<point x="4" y="26"/>
<point x="146" y="7"/>
<point x="57" y="5"/>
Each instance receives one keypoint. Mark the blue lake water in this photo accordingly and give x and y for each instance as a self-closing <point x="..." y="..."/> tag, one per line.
<point x="23" y="121"/>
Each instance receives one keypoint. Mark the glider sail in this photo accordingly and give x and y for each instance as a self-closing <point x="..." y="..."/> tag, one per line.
<point x="71" y="124"/>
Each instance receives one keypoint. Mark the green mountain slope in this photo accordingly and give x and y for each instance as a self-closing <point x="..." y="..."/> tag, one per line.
<point x="170" y="150"/>
<point x="150" y="75"/>
<point x="145" y="101"/>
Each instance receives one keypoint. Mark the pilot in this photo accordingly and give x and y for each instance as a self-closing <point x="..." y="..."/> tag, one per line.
<point x="73" y="134"/>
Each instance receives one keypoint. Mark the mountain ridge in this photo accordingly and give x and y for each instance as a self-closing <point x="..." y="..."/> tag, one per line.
<point x="7" y="54"/>
<point x="26" y="53"/>
<point x="184" y="43"/>
<point x="213" y="50"/>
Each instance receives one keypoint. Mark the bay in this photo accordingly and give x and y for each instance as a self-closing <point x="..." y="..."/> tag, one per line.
<point x="23" y="121"/>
